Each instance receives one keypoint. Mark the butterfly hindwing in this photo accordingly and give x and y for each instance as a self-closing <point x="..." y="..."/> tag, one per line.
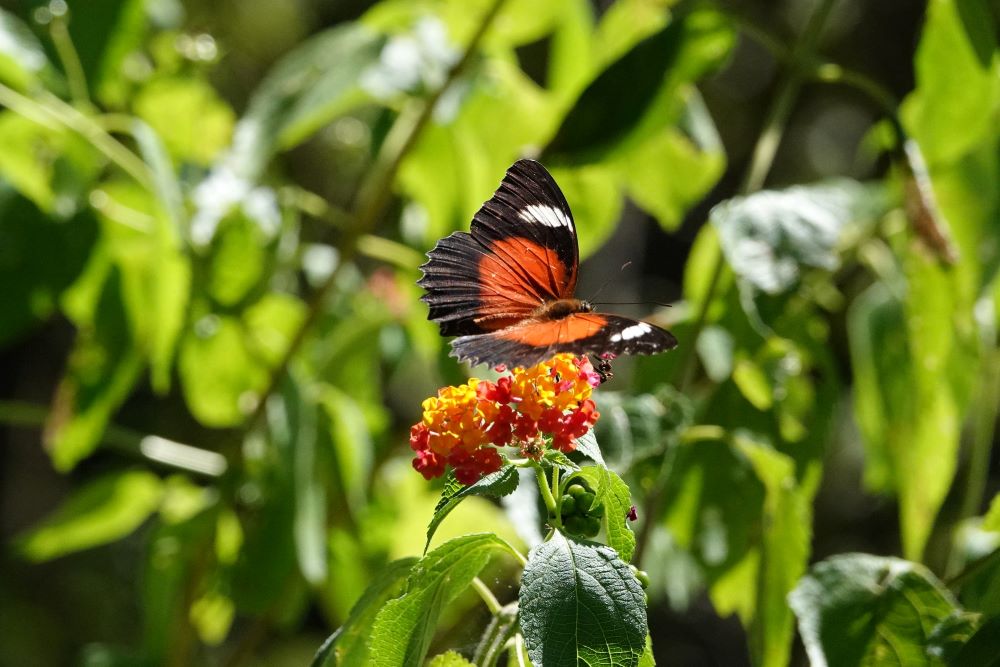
<point x="532" y="341"/>
<point x="521" y="253"/>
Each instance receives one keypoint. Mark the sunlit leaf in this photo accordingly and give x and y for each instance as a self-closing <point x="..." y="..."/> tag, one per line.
<point x="103" y="511"/>
<point x="349" y="644"/>
<point x="403" y="629"/>
<point x="302" y="93"/>
<point x="784" y="551"/>
<point x="102" y="370"/>
<point x="770" y="236"/>
<point x="958" y="73"/>
<point x="48" y="164"/>
<point x="194" y="122"/>
<point x="219" y="376"/>
<point x="495" y="485"/>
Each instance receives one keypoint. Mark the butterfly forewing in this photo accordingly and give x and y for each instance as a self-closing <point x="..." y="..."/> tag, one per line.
<point x="506" y="288"/>
<point x="522" y="252"/>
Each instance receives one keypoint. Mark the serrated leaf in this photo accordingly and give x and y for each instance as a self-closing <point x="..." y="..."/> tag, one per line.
<point x="555" y="458"/>
<point x="100" y="512"/>
<point x="581" y="604"/>
<point x="495" y="485"/>
<point x="769" y="236"/>
<point x="403" y="629"/>
<point x="587" y="445"/>
<point x="617" y="502"/>
<point x="862" y="609"/>
<point x="348" y="646"/>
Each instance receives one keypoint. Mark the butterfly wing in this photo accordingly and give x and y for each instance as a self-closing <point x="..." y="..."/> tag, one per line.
<point x="533" y="340"/>
<point x="522" y="252"/>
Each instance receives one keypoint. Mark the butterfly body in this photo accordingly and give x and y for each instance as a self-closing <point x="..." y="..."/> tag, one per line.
<point x="506" y="287"/>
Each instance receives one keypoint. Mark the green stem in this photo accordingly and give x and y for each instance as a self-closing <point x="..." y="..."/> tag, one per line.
<point x="70" y="59"/>
<point x="547" y="497"/>
<point x="487" y="596"/>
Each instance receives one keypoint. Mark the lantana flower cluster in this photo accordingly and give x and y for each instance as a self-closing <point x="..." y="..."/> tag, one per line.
<point x="529" y="408"/>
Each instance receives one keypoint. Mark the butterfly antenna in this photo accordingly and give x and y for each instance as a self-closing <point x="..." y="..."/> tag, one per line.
<point x="605" y="284"/>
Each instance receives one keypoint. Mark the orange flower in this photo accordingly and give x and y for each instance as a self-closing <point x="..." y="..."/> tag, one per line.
<point x="462" y="426"/>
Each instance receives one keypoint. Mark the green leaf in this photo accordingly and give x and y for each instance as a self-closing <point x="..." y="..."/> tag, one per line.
<point x="769" y="236"/>
<point x="298" y="435"/>
<point x="587" y="445"/>
<point x="950" y="635"/>
<point x="992" y="519"/>
<point x="615" y="102"/>
<point x="501" y="483"/>
<point x="219" y="376"/>
<point x="239" y="258"/>
<point x="617" y="502"/>
<point x="581" y="604"/>
<point x="50" y="165"/>
<point x="351" y="441"/>
<point x="786" y="522"/>
<point x="403" y="629"/>
<point x="39" y="258"/>
<point x="670" y="171"/>
<point x="104" y="366"/>
<point x="348" y="646"/>
<point x="983" y="648"/>
<point x="958" y="80"/>
<point x="194" y="122"/>
<point x="861" y="609"/>
<point x="22" y="57"/>
<point x="302" y="93"/>
<point x="100" y="512"/>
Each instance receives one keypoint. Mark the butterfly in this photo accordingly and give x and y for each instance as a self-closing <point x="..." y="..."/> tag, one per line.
<point x="506" y="287"/>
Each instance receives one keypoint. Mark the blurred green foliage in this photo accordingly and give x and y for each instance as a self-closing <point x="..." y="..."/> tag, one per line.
<point x="211" y="222"/>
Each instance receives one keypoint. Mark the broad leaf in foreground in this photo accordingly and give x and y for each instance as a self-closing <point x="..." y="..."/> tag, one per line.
<point x="862" y="609"/>
<point x="404" y="628"/>
<point x="581" y="604"/>
<point x="349" y="644"/>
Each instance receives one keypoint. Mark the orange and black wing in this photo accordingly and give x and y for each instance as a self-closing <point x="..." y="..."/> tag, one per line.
<point x="534" y="340"/>
<point x="521" y="252"/>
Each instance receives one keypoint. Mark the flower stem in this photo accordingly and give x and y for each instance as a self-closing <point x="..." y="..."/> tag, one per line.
<point x="487" y="596"/>
<point x="547" y="497"/>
